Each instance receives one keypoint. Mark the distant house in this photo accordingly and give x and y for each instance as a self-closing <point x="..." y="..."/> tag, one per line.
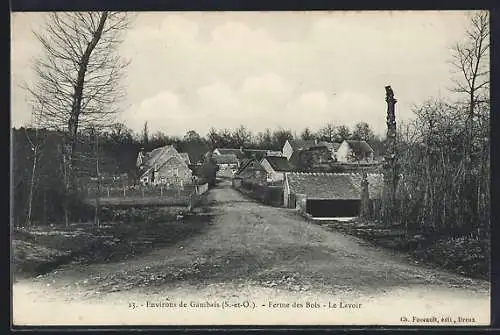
<point x="323" y="195"/>
<point x="332" y="147"/>
<point x="228" y="151"/>
<point x="292" y="149"/>
<point x="275" y="168"/>
<point x="293" y="146"/>
<point x="227" y="164"/>
<point x="164" y="165"/>
<point x="354" y="151"/>
<point x="251" y="171"/>
<point x="317" y="158"/>
<point x="260" y="153"/>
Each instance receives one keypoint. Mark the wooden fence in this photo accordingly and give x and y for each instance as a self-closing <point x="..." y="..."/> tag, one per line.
<point x="146" y="195"/>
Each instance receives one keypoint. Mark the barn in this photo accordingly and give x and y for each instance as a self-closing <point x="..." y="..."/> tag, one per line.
<point x="329" y="195"/>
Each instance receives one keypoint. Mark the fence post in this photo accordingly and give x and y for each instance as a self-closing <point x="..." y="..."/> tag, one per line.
<point x="124" y="190"/>
<point x="108" y="191"/>
<point x="161" y="191"/>
<point x="142" y="190"/>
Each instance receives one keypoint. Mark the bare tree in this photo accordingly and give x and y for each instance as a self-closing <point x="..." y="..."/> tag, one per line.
<point x="79" y="73"/>
<point x="471" y="60"/>
<point x="327" y="133"/>
<point x="35" y="148"/>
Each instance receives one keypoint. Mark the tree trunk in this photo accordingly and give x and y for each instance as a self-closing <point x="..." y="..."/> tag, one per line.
<point x="78" y="95"/>
<point x="390" y="161"/>
<point x="30" y="201"/>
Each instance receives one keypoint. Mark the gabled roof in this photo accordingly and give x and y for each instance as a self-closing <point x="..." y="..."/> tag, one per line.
<point x="335" y="186"/>
<point x="152" y="157"/>
<point x="279" y="164"/>
<point x="225" y="159"/>
<point x="302" y="144"/>
<point x="250" y="164"/>
<point x="185" y="156"/>
<point x="359" y="146"/>
<point x="159" y="156"/>
<point x="244" y="163"/>
<point x="229" y="151"/>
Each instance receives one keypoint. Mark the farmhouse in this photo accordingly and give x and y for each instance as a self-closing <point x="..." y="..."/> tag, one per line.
<point x="164" y="165"/>
<point x="260" y="153"/>
<point x="228" y="151"/>
<point x="354" y="151"/>
<point x="292" y="146"/>
<point x="275" y="168"/>
<point x="227" y="164"/>
<point x="251" y="171"/>
<point x="292" y="150"/>
<point x="323" y="195"/>
<point x="316" y="158"/>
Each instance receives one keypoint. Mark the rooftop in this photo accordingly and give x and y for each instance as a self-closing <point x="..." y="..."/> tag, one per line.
<point x="359" y="146"/>
<point x="279" y="163"/>
<point x="225" y="159"/>
<point x="339" y="186"/>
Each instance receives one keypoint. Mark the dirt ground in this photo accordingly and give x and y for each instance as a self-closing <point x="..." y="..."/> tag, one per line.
<point x="263" y="255"/>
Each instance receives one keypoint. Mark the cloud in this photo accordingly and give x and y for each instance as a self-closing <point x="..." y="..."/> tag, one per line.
<point x="236" y="36"/>
<point x="162" y="111"/>
<point x="317" y="101"/>
<point x="194" y="71"/>
<point x="164" y="31"/>
<point x="269" y="84"/>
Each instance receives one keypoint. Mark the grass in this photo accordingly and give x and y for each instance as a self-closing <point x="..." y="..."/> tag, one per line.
<point x="42" y="249"/>
<point x="465" y="256"/>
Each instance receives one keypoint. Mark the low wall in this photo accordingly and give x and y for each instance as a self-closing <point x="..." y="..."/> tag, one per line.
<point x="189" y="196"/>
<point x="268" y="195"/>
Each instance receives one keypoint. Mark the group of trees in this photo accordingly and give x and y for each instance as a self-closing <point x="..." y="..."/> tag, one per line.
<point x="274" y="139"/>
<point x="443" y="153"/>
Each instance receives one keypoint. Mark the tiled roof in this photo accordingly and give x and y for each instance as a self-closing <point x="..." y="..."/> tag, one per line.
<point x="359" y="146"/>
<point x="345" y="186"/>
<point x="229" y="151"/>
<point x="244" y="163"/>
<point x="279" y="163"/>
<point x="154" y="156"/>
<point x="302" y="144"/>
<point x="226" y="159"/>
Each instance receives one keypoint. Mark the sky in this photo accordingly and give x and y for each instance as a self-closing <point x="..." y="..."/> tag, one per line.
<point x="291" y="70"/>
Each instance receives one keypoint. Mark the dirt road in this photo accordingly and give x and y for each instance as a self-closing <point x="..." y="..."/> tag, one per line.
<point x="262" y="255"/>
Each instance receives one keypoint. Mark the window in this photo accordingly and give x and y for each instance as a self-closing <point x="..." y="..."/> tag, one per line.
<point x="176" y="172"/>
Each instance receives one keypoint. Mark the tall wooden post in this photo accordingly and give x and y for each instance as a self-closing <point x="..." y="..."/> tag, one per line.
<point x="391" y="173"/>
<point x="365" y="197"/>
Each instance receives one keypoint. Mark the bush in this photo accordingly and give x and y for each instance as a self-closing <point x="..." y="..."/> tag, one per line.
<point x="269" y="195"/>
<point x="467" y="256"/>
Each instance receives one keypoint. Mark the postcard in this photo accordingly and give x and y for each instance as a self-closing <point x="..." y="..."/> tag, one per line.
<point x="250" y="168"/>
